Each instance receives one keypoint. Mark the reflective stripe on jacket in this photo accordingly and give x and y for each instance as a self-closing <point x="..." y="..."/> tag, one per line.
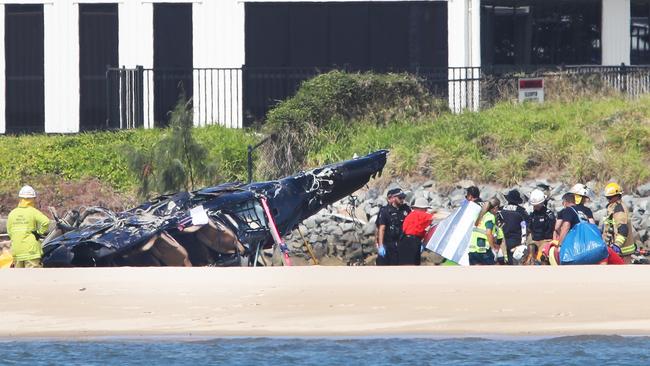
<point x="618" y="215"/>
<point x="22" y="223"/>
<point x="479" y="242"/>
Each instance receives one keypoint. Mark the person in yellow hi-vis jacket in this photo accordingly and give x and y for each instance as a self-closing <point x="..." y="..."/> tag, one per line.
<point x="24" y="225"/>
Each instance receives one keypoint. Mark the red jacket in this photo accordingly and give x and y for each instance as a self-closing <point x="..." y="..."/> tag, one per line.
<point x="416" y="223"/>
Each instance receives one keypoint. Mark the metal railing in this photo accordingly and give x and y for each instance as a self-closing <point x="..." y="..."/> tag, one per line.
<point x="465" y="88"/>
<point x="141" y="97"/>
<point x="235" y="97"/>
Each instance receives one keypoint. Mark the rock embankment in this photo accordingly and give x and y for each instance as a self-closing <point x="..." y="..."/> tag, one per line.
<point x="344" y="233"/>
<point x="346" y="230"/>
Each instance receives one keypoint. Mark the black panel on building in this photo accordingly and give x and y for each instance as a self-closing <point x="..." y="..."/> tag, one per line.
<point x="286" y="42"/>
<point x="24" y="57"/>
<point x="541" y="32"/>
<point x="173" y="60"/>
<point x="362" y="35"/>
<point x="640" y="32"/>
<point x="98" y="48"/>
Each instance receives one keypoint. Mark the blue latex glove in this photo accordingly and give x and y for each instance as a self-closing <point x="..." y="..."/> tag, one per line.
<point x="421" y="248"/>
<point x="381" y="251"/>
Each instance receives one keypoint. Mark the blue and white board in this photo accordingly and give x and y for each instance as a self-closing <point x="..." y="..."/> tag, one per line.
<point x="452" y="236"/>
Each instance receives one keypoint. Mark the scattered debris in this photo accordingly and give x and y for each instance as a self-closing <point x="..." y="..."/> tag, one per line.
<point x="224" y="225"/>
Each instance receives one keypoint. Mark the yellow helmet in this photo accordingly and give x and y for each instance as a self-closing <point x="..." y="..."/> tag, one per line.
<point x="613" y="189"/>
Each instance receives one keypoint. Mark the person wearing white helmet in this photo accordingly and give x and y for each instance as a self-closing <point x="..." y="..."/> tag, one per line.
<point x="582" y="197"/>
<point x="24" y="225"/>
<point x="569" y="217"/>
<point x="542" y="225"/>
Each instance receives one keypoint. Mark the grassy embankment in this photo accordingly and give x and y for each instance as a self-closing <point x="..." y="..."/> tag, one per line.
<point x="579" y="141"/>
<point x="574" y="137"/>
<point x="87" y="168"/>
<point x="601" y="139"/>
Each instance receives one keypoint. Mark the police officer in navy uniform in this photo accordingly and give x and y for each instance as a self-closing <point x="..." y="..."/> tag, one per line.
<point x="515" y="223"/>
<point x="389" y="227"/>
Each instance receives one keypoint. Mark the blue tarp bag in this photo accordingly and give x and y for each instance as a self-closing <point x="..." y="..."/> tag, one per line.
<point x="583" y="244"/>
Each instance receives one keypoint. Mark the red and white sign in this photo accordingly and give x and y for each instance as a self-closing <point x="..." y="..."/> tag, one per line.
<point x="531" y="90"/>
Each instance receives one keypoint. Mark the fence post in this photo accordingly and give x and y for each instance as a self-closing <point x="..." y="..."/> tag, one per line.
<point x="139" y="97"/>
<point x="623" y="76"/>
<point x="108" y="96"/>
<point x="123" y="101"/>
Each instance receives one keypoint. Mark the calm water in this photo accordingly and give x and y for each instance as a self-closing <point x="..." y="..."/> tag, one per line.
<point x="582" y="350"/>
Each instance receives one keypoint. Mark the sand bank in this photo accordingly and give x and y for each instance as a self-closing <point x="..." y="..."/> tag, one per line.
<point x="325" y="301"/>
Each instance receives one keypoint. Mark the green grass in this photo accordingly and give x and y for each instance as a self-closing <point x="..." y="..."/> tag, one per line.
<point x="100" y="155"/>
<point x="573" y="141"/>
<point x="591" y="139"/>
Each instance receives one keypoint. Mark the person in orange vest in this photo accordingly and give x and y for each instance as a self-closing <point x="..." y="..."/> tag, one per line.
<point x="25" y="224"/>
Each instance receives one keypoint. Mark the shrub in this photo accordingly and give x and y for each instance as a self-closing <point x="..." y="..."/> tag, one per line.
<point x="32" y="159"/>
<point x="175" y="162"/>
<point x="324" y="108"/>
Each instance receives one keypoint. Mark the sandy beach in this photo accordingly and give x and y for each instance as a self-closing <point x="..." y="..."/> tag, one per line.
<point x="325" y="301"/>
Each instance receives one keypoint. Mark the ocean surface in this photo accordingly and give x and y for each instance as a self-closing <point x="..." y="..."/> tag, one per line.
<point x="578" y="350"/>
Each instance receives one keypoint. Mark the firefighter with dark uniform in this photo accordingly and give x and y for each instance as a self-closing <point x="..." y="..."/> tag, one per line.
<point x="618" y="231"/>
<point x="389" y="227"/>
<point x="542" y="225"/>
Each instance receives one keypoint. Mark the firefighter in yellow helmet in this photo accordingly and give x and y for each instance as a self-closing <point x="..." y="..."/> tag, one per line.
<point x="618" y="231"/>
<point x="24" y="225"/>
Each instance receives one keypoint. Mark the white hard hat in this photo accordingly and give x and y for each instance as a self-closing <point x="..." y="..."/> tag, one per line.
<point x="537" y="197"/>
<point x="421" y="202"/>
<point x="27" y="192"/>
<point x="580" y="189"/>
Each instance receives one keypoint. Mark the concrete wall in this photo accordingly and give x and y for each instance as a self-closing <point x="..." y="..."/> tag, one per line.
<point x="616" y="32"/>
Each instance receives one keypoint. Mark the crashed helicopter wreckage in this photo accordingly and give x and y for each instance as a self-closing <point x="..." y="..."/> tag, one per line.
<point x="224" y="225"/>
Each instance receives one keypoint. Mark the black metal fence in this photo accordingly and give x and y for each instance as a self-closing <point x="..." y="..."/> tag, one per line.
<point x="465" y="88"/>
<point x="141" y="97"/>
<point x="236" y="97"/>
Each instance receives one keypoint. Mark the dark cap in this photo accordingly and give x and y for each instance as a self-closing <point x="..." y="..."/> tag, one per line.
<point x="473" y="191"/>
<point x="396" y="192"/>
<point x="569" y="197"/>
<point x="514" y="197"/>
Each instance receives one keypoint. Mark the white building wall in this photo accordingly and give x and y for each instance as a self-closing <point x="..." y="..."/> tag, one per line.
<point x="464" y="40"/>
<point x="218" y="37"/>
<point x="61" y="55"/>
<point x="616" y="15"/>
<point x="135" y="38"/>
<point x="219" y="41"/>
